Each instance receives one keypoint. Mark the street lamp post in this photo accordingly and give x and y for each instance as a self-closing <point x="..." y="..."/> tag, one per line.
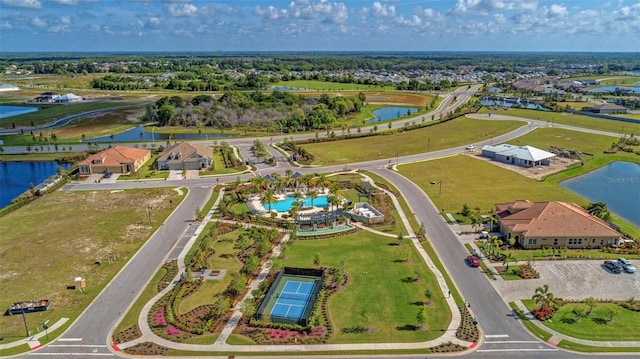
<point x="24" y="319"/>
<point x="149" y="213"/>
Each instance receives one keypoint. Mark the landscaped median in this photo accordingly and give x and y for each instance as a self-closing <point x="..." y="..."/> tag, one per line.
<point x="587" y="326"/>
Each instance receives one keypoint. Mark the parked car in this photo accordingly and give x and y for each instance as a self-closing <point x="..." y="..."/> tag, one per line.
<point x="626" y="265"/>
<point x="613" y="266"/>
<point x="107" y="175"/>
<point x="473" y="261"/>
<point x="471" y="148"/>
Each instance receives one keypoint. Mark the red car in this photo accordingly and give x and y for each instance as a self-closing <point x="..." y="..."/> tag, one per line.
<point x="473" y="261"/>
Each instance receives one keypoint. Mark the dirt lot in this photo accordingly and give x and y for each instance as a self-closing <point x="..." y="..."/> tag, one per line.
<point x="557" y="164"/>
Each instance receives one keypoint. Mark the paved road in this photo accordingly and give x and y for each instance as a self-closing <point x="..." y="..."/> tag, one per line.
<point x="89" y="335"/>
<point x="504" y="335"/>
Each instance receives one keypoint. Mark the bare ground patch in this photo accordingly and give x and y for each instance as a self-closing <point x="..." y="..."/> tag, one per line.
<point x="557" y="164"/>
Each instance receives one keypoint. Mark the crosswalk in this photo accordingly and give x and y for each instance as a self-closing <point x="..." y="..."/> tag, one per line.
<point x="72" y="347"/>
<point x="495" y="343"/>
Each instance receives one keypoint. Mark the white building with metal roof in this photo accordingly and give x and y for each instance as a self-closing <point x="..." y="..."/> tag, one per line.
<point x="524" y="156"/>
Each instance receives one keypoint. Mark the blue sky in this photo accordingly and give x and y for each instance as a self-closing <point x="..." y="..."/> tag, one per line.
<point x="321" y="25"/>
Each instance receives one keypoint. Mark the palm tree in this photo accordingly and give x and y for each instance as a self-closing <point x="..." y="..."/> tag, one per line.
<point x="307" y="180"/>
<point x="543" y="297"/>
<point x="268" y="197"/>
<point x="333" y="200"/>
<point x="313" y="194"/>
<point x="591" y="302"/>
<point x="322" y="181"/>
<point x="335" y="189"/>
<point x="298" y="196"/>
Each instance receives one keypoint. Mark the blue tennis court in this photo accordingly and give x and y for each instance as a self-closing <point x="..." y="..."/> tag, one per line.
<point x="293" y="300"/>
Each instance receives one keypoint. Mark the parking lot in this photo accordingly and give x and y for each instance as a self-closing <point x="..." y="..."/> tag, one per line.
<point x="574" y="279"/>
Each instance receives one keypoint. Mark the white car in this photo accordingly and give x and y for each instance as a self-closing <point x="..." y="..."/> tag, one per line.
<point x="470" y="147"/>
<point x="626" y="265"/>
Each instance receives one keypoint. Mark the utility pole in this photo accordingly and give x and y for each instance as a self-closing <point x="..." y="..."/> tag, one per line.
<point x="24" y="319"/>
<point x="440" y="191"/>
<point x="149" y="212"/>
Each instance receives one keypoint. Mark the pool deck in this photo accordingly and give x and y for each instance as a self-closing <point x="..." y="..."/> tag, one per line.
<point x="256" y="207"/>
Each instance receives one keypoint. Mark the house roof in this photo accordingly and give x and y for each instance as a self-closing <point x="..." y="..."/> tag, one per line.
<point x="188" y="152"/>
<point x="608" y="106"/>
<point x="117" y="155"/>
<point x="523" y="152"/>
<point x="549" y="219"/>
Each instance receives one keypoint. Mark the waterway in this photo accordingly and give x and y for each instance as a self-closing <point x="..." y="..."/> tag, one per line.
<point x="16" y="177"/>
<point x="391" y="113"/>
<point x="141" y="133"/>
<point x="9" y="111"/>
<point x="616" y="184"/>
<point x="511" y="103"/>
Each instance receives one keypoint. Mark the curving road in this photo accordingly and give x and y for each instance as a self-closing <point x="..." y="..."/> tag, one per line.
<point x="504" y="335"/>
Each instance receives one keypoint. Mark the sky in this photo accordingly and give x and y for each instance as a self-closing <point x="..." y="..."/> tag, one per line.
<point x="319" y="25"/>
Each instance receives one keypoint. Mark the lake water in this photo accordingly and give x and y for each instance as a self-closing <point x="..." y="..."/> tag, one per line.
<point x="140" y="133"/>
<point x="391" y="113"/>
<point x="286" y="88"/>
<point x="15" y="177"/>
<point x="511" y="103"/>
<point x="615" y="88"/>
<point x="8" y="111"/>
<point x="616" y="184"/>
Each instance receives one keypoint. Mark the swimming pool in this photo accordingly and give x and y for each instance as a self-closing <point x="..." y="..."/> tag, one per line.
<point x="284" y="205"/>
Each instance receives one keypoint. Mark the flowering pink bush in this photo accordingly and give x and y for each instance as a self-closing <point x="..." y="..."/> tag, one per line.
<point x="171" y="331"/>
<point x="159" y="320"/>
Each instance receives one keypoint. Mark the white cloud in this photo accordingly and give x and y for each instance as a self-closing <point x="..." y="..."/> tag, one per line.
<point x="38" y="22"/>
<point x="378" y="9"/>
<point x="270" y="13"/>
<point x="558" y="10"/>
<point x="26" y="4"/>
<point x="182" y="10"/>
<point x="65" y="19"/>
<point x="67" y="2"/>
<point x="6" y="26"/>
<point x="306" y="10"/>
<point x="487" y="6"/>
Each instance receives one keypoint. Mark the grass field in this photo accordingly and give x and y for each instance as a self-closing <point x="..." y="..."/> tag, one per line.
<point x="311" y="85"/>
<point x="478" y="184"/>
<point x="378" y="292"/>
<point x="596" y="326"/>
<point x="453" y="133"/>
<point x="226" y="258"/>
<point x="60" y="236"/>
<point x="571" y="119"/>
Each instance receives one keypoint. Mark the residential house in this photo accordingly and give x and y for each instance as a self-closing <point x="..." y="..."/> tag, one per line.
<point x="118" y="159"/>
<point x="553" y="224"/>
<point x="185" y="155"/>
<point x="524" y="156"/>
<point x="606" y="108"/>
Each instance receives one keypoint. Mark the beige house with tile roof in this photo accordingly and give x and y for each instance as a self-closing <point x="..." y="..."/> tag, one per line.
<point x="553" y="224"/>
<point x="185" y="155"/>
<point x="117" y="159"/>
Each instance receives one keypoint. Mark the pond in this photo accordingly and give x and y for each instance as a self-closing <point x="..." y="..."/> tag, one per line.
<point x="141" y="133"/>
<point x="391" y="113"/>
<point x="616" y="184"/>
<point x="8" y="111"/>
<point x="615" y="89"/>
<point x="16" y="177"/>
<point x="511" y="103"/>
<point x="286" y="88"/>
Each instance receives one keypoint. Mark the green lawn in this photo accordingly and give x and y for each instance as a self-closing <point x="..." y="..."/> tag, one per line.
<point x="541" y="334"/>
<point x="437" y="137"/>
<point x="376" y="272"/>
<point x="311" y="85"/>
<point x="49" y="113"/>
<point x="479" y="184"/>
<point x="597" y="326"/>
<point x="570" y="119"/>
<point x="224" y="258"/>
<point x="60" y="236"/>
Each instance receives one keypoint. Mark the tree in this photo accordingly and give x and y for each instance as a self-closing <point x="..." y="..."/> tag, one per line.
<point x="599" y="209"/>
<point x="313" y="194"/>
<point x="543" y="297"/>
<point x="317" y="259"/>
<point x="466" y="211"/>
<point x="590" y="302"/>
<point x="476" y="220"/>
<point x="268" y="198"/>
<point x="612" y="310"/>
<point x="165" y="114"/>
<point x="422" y="319"/>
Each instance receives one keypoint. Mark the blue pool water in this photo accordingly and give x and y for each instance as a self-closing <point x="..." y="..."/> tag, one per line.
<point x="390" y="113"/>
<point x="8" y="111"/>
<point x="284" y="205"/>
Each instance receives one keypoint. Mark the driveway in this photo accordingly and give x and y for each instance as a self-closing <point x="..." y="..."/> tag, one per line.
<point x="177" y="175"/>
<point x="574" y="279"/>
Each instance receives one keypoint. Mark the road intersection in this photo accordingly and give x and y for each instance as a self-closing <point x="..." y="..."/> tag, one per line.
<point x="503" y="333"/>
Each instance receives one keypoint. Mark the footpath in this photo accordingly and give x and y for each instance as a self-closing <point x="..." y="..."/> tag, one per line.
<point x="221" y="345"/>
